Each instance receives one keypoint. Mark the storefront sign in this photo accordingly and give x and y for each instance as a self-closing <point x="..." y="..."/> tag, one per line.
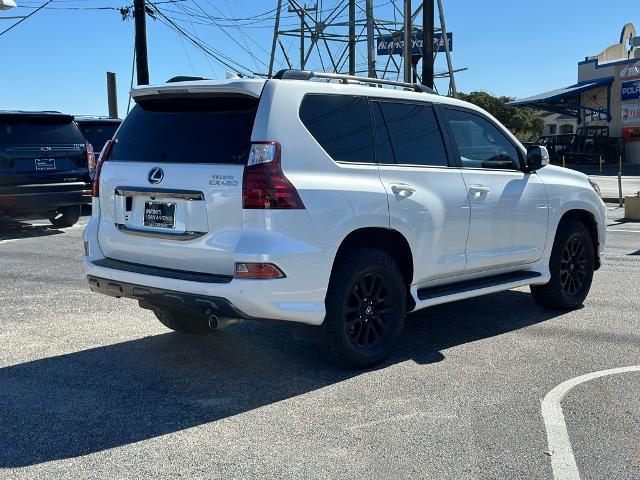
<point x="631" y="113"/>
<point x="631" y="90"/>
<point x="629" y="70"/>
<point x="631" y="134"/>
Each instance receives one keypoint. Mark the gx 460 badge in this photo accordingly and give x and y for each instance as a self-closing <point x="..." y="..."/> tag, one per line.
<point x="224" y="180"/>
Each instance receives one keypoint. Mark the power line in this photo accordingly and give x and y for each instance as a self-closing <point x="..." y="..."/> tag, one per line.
<point x="220" y="58"/>
<point x="27" y="16"/>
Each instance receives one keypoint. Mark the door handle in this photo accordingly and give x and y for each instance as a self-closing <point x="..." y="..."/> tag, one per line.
<point x="476" y="191"/>
<point x="403" y="189"/>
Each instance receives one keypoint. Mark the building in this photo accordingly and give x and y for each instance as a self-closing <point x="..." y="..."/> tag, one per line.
<point x="607" y="95"/>
<point x="558" y="123"/>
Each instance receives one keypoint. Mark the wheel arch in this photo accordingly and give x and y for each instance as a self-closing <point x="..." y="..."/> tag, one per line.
<point x="388" y="240"/>
<point x="588" y="219"/>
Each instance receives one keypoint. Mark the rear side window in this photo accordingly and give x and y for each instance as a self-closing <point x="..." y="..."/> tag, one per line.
<point x="187" y="130"/>
<point x="39" y="131"/>
<point x="341" y="125"/>
<point x="415" y="134"/>
<point x="384" y="152"/>
<point x="97" y="134"/>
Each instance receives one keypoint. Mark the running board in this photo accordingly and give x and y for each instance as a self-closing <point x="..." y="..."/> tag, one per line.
<point x="478" y="286"/>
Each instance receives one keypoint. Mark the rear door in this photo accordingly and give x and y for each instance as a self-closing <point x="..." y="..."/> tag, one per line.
<point x="509" y="208"/>
<point x="171" y="190"/>
<point x="428" y="202"/>
<point x="38" y="149"/>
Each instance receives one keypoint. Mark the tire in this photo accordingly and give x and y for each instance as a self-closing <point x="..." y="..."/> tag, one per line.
<point x="361" y="331"/>
<point x="571" y="266"/>
<point x="183" y="322"/>
<point x="65" y="216"/>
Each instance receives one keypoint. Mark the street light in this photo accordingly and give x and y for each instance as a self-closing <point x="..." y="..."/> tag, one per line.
<point x="7" y="4"/>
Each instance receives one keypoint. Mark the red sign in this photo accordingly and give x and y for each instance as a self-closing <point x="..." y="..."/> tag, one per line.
<point x="629" y="70"/>
<point x="631" y="134"/>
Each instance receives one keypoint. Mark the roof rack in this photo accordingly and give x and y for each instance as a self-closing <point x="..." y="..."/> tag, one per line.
<point x="290" y="74"/>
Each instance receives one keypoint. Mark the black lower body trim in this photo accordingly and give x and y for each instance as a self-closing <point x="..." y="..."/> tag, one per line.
<point x="43" y="201"/>
<point x="151" y="297"/>
<point x="426" y="293"/>
<point x="162" y="272"/>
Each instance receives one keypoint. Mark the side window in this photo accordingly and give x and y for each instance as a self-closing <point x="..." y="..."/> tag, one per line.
<point x="480" y="143"/>
<point x="384" y="152"/>
<point x="415" y="134"/>
<point x="341" y="124"/>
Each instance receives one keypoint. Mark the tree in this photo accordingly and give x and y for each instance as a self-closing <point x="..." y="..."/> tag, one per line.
<point x="525" y="123"/>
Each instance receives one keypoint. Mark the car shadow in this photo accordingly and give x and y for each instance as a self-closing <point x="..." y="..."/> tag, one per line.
<point x="15" y="229"/>
<point x="100" y="398"/>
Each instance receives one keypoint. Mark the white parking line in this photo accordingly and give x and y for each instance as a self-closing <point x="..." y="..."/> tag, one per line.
<point x="622" y="230"/>
<point x="563" y="463"/>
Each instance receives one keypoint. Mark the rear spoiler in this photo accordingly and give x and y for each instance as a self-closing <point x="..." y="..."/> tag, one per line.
<point x="244" y="87"/>
<point x="54" y="117"/>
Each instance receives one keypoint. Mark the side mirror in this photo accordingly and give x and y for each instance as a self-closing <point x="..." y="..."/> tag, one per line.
<point x="537" y="157"/>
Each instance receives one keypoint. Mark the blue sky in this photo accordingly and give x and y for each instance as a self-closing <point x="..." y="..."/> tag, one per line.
<point x="57" y="59"/>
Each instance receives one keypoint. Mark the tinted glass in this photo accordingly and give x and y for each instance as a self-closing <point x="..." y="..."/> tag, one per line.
<point x="480" y="143"/>
<point x="415" y="135"/>
<point x="384" y="152"/>
<point x="97" y="134"/>
<point x="341" y="125"/>
<point x="187" y="130"/>
<point x="39" y="132"/>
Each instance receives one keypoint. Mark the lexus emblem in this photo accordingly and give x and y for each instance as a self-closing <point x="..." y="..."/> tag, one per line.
<point x="155" y="175"/>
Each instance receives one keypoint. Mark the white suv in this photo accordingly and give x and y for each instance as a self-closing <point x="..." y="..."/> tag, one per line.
<point x="330" y="204"/>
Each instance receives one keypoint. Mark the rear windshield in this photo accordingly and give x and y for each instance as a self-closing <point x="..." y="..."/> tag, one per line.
<point x="29" y="131"/>
<point x="187" y="130"/>
<point x="97" y="134"/>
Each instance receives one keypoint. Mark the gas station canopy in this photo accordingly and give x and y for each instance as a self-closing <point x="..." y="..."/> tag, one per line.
<point x="567" y="100"/>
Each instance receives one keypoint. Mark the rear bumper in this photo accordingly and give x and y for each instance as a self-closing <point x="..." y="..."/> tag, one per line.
<point x="44" y="198"/>
<point x="277" y="299"/>
<point x="150" y="297"/>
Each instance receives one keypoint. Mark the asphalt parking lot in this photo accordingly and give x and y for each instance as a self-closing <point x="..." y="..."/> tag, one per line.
<point x="94" y="387"/>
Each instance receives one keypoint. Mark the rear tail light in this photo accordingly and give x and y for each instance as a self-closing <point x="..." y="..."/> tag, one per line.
<point x="264" y="185"/>
<point x="258" y="271"/>
<point x="91" y="159"/>
<point x="104" y="155"/>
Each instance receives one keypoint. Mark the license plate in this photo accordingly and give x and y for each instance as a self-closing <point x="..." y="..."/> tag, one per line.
<point x="45" y="164"/>
<point x="159" y="215"/>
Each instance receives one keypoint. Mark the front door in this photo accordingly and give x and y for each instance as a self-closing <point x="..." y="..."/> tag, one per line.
<point x="509" y="208"/>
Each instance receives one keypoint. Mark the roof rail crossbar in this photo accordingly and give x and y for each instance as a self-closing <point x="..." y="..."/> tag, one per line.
<point x="308" y="75"/>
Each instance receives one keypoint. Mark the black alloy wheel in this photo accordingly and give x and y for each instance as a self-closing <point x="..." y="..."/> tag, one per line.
<point x="368" y="311"/>
<point x="366" y="308"/>
<point x="573" y="266"/>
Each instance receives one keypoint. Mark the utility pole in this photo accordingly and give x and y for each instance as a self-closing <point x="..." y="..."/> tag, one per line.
<point x="112" y="96"/>
<point x="352" y="37"/>
<point x="427" y="42"/>
<point x="371" y="49"/>
<point x="276" y="27"/>
<point x="142" y="63"/>
<point x="408" y="42"/>
<point x="443" y="31"/>
<point x="302" y="11"/>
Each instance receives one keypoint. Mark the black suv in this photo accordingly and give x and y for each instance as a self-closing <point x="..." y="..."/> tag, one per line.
<point x="97" y="130"/>
<point x="44" y="166"/>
